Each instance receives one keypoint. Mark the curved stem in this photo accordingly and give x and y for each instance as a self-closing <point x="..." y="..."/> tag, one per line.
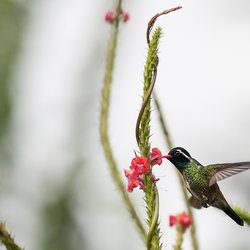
<point x="147" y="97"/>
<point x="142" y="136"/>
<point x="144" y="104"/>
<point x="154" y="18"/>
<point x="154" y="220"/>
<point x="143" y="132"/>
<point x="104" y="123"/>
<point x="169" y="143"/>
<point x="6" y="239"/>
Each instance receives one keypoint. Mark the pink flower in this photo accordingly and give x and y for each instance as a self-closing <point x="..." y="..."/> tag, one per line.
<point x="156" y="157"/>
<point x="172" y="220"/>
<point x="109" y="17"/>
<point x="140" y="164"/>
<point x="183" y="219"/>
<point x="134" y="179"/>
<point x="125" y="17"/>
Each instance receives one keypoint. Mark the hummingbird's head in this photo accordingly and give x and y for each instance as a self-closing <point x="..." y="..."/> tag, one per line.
<point x="179" y="157"/>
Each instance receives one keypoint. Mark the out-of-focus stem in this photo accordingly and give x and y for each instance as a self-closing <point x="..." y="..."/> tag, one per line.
<point x="105" y="102"/>
<point x="179" y="238"/>
<point x="169" y="143"/>
<point x="6" y="239"/>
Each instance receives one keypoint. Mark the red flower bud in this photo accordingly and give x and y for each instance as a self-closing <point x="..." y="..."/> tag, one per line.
<point x="183" y="219"/>
<point x="172" y="220"/>
<point x="125" y="17"/>
<point x="109" y="17"/>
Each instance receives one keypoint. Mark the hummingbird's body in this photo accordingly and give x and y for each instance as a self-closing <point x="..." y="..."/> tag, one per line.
<point x="201" y="181"/>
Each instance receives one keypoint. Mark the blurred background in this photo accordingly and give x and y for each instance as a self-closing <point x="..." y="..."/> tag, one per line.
<point x="56" y="191"/>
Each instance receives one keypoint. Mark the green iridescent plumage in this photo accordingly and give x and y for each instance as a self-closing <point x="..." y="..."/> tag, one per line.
<point x="201" y="181"/>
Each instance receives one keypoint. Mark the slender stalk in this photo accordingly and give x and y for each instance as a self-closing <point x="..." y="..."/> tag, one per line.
<point x="6" y="239"/>
<point x="105" y="103"/>
<point x="153" y="229"/>
<point x="169" y="143"/>
<point x="179" y="238"/>
<point x="143" y="132"/>
<point x="142" y="136"/>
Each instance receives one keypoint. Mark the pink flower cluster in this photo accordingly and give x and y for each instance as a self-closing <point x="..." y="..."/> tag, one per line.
<point x="139" y="167"/>
<point x="182" y="219"/>
<point x="110" y="16"/>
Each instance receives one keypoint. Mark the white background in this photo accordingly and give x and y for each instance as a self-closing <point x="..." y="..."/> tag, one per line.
<point x="203" y="85"/>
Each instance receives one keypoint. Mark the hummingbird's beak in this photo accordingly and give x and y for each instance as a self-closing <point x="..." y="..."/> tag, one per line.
<point x="167" y="156"/>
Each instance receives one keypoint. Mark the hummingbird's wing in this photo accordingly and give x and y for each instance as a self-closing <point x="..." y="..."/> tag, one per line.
<point x="219" y="172"/>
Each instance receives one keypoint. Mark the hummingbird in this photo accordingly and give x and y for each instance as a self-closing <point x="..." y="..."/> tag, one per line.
<point x="201" y="181"/>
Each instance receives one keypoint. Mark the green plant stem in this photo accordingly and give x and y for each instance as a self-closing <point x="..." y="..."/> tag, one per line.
<point x="244" y="215"/>
<point x="169" y="143"/>
<point x="105" y="102"/>
<point x="143" y="132"/>
<point x="145" y="103"/>
<point x="154" y="223"/>
<point x="143" y="135"/>
<point x="6" y="239"/>
<point x="167" y="136"/>
<point x="179" y="238"/>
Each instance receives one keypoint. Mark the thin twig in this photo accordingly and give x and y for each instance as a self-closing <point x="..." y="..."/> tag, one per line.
<point x="6" y="239"/>
<point x="104" y="123"/>
<point x="179" y="238"/>
<point x="154" y="18"/>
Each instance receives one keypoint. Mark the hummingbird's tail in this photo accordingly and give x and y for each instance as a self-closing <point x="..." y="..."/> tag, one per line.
<point x="230" y="212"/>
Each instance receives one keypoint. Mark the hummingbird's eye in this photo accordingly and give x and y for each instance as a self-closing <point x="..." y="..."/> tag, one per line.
<point x="177" y="153"/>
